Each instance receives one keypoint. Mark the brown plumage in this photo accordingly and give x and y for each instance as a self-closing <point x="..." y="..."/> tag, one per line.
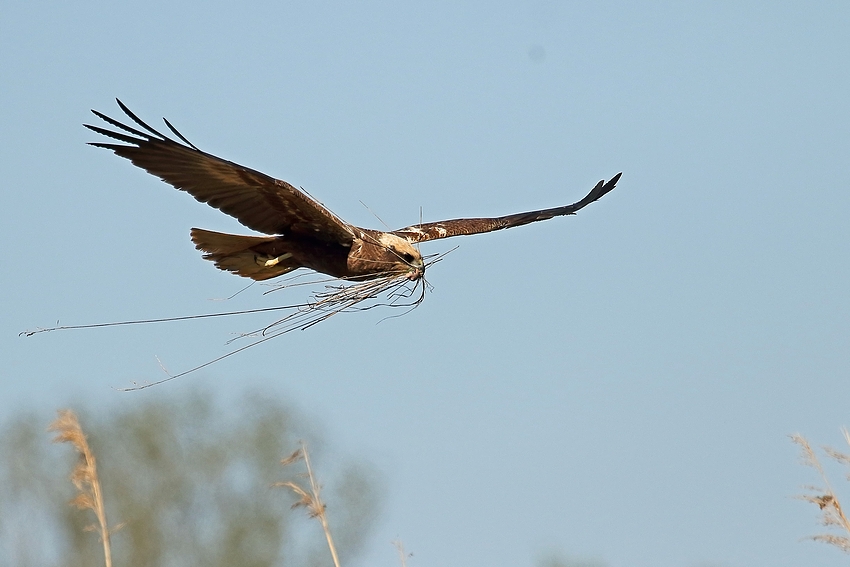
<point x="304" y="232"/>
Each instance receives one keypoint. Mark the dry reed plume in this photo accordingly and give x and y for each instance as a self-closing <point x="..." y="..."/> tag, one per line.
<point x="402" y="555"/>
<point x="832" y="514"/>
<point x="310" y="498"/>
<point x="84" y="476"/>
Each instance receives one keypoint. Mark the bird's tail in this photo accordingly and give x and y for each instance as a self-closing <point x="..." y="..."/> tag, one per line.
<point x="255" y="257"/>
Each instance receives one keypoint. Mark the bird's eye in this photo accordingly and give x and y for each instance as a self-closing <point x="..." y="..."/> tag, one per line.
<point x="408" y="257"/>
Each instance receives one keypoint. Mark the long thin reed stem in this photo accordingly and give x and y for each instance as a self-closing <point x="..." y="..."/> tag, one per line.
<point x="84" y="476"/>
<point x="311" y="500"/>
<point x="315" y="489"/>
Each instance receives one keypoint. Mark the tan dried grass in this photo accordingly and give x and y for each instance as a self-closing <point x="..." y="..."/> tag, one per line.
<point x="832" y="513"/>
<point x="402" y="555"/>
<point x="310" y="497"/>
<point x="84" y="476"/>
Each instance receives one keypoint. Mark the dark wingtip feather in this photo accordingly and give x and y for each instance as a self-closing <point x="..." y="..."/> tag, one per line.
<point x="138" y="120"/>
<point x="615" y="179"/>
<point x="602" y="188"/>
<point x="612" y="183"/>
<point x="178" y="134"/>
<point x="114" y="135"/>
<point x="117" y="124"/>
<point x="113" y="147"/>
<point x="599" y="190"/>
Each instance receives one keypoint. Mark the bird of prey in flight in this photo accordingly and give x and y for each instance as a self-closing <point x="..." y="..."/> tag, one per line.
<point x="302" y="233"/>
<point x="376" y="267"/>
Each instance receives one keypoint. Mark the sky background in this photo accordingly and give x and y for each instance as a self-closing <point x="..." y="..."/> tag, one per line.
<point x="617" y="385"/>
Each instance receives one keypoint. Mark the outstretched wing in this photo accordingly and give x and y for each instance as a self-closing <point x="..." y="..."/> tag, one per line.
<point x="256" y="200"/>
<point x="459" y="227"/>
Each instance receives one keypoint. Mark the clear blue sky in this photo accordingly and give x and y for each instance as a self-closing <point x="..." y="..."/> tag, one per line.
<point x="617" y="385"/>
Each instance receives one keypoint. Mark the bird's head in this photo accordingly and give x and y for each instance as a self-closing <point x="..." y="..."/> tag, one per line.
<point x="402" y="256"/>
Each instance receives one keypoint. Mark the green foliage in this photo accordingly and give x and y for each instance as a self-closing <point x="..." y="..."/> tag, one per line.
<point x="184" y="482"/>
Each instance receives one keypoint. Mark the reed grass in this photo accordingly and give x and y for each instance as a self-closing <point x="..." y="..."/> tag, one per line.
<point x="309" y="498"/>
<point x="402" y="555"/>
<point x="84" y="476"/>
<point x="89" y="493"/>
<point x="831" y="512"/>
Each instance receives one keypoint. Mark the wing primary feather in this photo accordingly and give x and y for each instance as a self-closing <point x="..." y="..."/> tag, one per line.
<point x="112" y="134"/>
<point x="117" y="124"/>
<point x="113" y="147"/>
<point x="139" y="121"/>
<point x="179" y="135"/>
